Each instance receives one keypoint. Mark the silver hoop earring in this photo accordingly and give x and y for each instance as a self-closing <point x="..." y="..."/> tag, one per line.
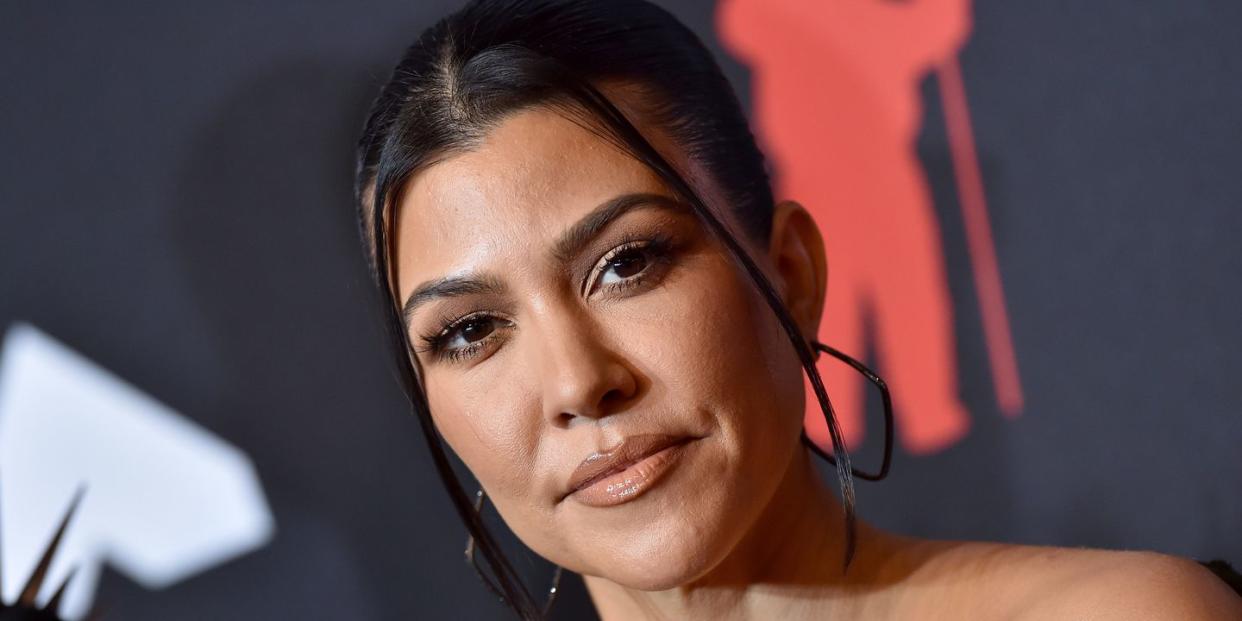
<point x="479" y="498"/>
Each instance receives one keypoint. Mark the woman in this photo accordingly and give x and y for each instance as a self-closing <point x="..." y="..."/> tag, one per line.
<point x="597" y="305"/>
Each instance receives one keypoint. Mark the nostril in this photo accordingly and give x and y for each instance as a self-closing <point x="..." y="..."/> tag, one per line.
<point x="614" y="395"/>
<point x="607" y="404"/>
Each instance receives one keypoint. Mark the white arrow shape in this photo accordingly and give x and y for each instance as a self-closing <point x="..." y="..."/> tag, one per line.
<point x="164" y="498"/>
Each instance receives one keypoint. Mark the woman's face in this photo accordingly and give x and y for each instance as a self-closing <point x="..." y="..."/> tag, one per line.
<point x="594" y="356"/>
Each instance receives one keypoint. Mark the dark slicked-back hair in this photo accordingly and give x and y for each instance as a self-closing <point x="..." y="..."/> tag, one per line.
<point x="492" y="58"/>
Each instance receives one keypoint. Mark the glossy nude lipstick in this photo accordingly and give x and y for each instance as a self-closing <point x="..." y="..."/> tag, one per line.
<point x="625" y="471"/>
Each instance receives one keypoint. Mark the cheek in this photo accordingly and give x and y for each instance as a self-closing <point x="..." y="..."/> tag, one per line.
<point x="491" y="421"/>
<point x="725" y="348"/>
<point x="482" y="426"/>
<point x="481" y="420"/>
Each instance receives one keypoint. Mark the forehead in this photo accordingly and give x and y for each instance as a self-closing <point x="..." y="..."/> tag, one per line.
<point x="533" y="175"/>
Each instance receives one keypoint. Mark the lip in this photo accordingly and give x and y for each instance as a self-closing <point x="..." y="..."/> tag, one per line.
<point x="625" y="471"/>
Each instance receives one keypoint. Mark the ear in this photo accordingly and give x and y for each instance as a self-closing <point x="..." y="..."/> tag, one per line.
<point x="796" y="249"/>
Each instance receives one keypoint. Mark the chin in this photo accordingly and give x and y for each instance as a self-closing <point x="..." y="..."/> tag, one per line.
<point x="665" y="553"/>
<point x="663" y="567"/>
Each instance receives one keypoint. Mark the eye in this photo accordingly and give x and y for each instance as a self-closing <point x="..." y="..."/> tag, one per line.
<point x="464" y="337"/>
<point x="632" y="263"/>
<point x="625" y="264"/>
<point x="472" y="330"/>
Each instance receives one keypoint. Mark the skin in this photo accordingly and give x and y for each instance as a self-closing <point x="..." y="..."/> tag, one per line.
<point x="574" y="353"/>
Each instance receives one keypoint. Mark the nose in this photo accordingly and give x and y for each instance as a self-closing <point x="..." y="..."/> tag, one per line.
<point x="584" y="378"/>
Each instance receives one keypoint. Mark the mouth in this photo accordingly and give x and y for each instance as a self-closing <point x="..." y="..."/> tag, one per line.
<point x="624" y="472"/>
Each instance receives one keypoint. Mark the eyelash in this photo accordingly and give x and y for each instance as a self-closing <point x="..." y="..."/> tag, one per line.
<point x="657" y="249"/>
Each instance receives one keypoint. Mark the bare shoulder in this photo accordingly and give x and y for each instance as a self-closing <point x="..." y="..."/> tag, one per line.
<point x="1103" y="585"/>
<point x="980" y="580"/>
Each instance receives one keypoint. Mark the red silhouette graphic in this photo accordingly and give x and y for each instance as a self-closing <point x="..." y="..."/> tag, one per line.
<point x="837" y="108"/>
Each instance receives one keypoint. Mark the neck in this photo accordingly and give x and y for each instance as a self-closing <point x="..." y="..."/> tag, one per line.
<point x="789" y="565"/>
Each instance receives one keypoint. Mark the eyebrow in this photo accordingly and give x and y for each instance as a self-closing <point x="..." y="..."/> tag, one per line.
<point x="576" y="237"/>
<point x="567" y="245"/>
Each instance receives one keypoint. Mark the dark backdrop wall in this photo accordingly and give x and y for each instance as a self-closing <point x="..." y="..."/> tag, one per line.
<point x="175" y="204"/>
